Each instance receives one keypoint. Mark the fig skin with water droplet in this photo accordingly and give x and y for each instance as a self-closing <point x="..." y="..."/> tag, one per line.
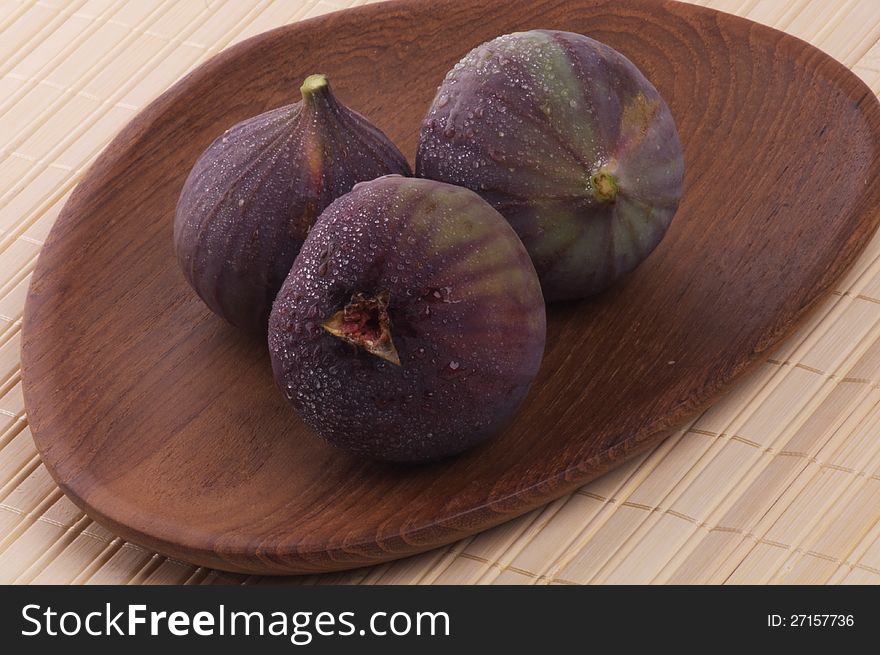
<point x="412" y="323"/>
<point x="252" y="196"/>
<point x="570" y="142"/>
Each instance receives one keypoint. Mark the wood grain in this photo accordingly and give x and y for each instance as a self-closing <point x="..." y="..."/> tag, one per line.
<point x="164" y="424"/>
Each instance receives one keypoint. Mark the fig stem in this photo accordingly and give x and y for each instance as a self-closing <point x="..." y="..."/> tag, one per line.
<point x="604" y="186"/>
<point x="364" y="322"/>
<point x="314" y="84"/>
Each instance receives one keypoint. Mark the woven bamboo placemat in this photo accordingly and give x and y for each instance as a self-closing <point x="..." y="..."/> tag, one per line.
<point x="778" y="482"/>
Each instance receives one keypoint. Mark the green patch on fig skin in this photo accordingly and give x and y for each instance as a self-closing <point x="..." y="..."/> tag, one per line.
<point x="562" y="109"/>
<point x="364" y="322"/>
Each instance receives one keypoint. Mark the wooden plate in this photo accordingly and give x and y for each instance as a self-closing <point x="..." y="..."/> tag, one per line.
<point x="164" y="424"/>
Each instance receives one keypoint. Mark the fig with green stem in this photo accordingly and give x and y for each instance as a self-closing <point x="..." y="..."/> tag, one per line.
<point x="570" y="142"/>
<point x="253" y="195"/>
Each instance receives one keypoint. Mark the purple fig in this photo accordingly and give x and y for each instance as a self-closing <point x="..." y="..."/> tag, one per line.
<point x="252" y="196"/>
<point x="568" y="140"/>
<point x="411" y="324"/>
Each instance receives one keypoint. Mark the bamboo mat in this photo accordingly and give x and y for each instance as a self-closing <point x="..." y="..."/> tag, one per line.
<point x="778" y="482"/>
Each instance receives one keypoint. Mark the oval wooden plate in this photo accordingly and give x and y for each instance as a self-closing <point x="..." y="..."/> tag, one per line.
<point x="164" y="424"/>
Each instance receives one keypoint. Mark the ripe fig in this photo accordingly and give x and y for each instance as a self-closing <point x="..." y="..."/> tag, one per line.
<point x="253" y="195"/>
<point x="411" y="324"/>
<point x="567" y="139"/>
